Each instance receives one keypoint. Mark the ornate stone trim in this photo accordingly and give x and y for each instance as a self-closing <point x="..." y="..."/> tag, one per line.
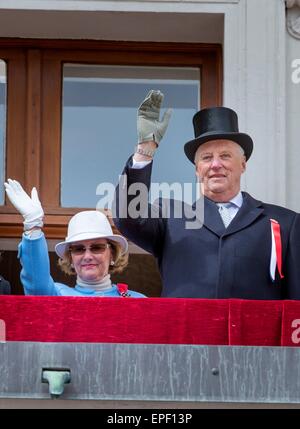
<point x="293" y="18"/>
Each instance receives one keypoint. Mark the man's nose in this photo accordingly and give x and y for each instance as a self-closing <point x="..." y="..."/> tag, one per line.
<point x="216" y="163"/>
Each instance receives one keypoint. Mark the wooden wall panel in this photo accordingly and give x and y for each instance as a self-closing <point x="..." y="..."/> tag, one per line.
<point x="51" y="133"/>
<point x="33" y="118"/>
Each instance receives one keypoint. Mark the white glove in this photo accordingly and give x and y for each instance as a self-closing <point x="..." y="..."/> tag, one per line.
<point x="30" y="208"/>
<point x="149" y="127"/>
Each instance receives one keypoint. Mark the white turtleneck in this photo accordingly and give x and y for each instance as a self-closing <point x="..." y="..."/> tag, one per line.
<point x="103" y="285"/>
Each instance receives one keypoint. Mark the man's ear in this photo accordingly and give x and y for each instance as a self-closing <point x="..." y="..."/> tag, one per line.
<point x="244" y="164"/>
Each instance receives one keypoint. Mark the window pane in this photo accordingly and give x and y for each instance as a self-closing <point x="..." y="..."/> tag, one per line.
<point x="3" y="81"/>
<point x="99" y="125"/>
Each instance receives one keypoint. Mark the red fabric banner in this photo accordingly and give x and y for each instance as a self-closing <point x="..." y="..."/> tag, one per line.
<point x="150" y="320"/>
<point x="255" y="323"/>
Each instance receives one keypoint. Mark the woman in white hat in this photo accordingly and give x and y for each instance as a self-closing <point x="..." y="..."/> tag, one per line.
<point x="91" y="251"/>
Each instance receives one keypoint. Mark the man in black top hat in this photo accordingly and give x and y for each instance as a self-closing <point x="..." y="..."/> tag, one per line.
<point x="244" y="248"/>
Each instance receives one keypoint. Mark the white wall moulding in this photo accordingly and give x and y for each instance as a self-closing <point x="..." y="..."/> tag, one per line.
<point x="80" y="5"/>
<point x="173" y="26"/>
<point x="293" y="18"/>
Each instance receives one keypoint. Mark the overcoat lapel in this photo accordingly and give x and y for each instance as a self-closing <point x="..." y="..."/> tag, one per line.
<point x="251" y="209"/>
<point x="212" y="218"/>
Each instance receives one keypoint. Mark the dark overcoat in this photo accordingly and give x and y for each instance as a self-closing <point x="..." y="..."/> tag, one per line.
<point x="211" y="261"/>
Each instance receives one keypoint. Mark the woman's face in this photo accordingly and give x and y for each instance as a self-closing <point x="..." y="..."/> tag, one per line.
<point x="91" y="259"/>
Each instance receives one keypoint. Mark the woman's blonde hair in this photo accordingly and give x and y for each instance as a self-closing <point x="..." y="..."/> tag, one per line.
<point x="120" y="260"/>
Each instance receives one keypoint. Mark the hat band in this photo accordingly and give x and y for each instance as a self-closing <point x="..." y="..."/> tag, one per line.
<point x="87" y="235"/>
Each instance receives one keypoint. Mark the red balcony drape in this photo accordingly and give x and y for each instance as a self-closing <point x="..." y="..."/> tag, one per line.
<point x="150" y="320"/>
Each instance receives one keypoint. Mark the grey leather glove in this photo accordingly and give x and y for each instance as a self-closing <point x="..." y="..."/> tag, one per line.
<point x="29" y="207"/>
<point x="149" y="127"/>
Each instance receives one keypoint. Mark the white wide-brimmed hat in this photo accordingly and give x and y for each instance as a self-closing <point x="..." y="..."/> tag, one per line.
<point x="87" y="225"/>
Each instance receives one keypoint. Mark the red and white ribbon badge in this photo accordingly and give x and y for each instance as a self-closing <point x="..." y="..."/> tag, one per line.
<point x="276" y="253"/>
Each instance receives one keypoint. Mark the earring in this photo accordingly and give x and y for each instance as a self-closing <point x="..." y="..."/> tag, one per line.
<point x="112" y="263"/>
<point x="72" y="265"/>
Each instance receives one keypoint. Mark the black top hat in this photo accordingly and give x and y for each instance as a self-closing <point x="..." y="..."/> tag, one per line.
<point x="215" y="123"/>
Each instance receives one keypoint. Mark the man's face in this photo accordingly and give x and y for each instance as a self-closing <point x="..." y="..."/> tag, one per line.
<point x="219" y="166"/>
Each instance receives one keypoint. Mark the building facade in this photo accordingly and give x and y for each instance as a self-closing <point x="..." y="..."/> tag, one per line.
<point x="73" y="72"/>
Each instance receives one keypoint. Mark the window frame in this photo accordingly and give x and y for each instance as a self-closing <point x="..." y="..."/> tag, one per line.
<point x="34" y="107"/>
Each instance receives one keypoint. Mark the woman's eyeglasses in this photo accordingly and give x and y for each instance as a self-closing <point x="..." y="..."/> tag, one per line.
<point x="96" y="249"/>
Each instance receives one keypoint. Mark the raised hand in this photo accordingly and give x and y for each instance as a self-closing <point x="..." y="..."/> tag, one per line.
<point x="149" y="127"/>
<point x="29" y="207"/>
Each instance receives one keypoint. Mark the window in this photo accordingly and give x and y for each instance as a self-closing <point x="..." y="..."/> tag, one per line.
<point x="99" y="125"/>
<point x="64" y="98"/>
